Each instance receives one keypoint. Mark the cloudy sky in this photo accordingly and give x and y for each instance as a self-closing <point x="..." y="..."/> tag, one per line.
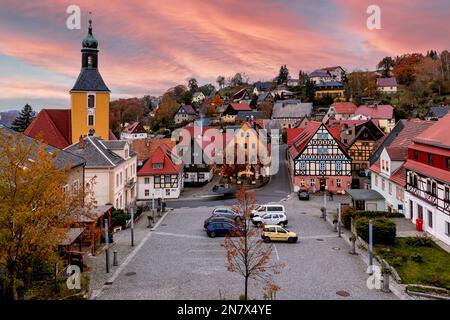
<point x="149" y="46"/>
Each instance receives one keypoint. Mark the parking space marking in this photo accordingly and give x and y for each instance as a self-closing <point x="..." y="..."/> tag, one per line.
<point x="276" y="252"/>
<point x="179" y="235"/>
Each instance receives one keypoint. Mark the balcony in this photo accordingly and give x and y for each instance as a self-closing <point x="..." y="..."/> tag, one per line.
<point x="130" y="183"/>
<point x="428" y="197"/>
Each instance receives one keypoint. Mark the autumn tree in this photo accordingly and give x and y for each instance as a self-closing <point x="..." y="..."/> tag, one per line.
<point x="35" y="213"/>
<point x="266" y="107"/>
<point x="166" y="111"/>
<point x="247" y="254"/>
<point x="405" y="67"/>
<point x="124" y="111"/>
<point x="386" y="64"/>
<point x="26" y="116"/>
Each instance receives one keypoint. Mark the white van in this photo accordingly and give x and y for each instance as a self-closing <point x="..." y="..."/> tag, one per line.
<point x="264" y="209"/>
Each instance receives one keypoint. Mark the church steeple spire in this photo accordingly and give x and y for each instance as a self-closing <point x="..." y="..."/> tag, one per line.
<point x="89" y="50"/>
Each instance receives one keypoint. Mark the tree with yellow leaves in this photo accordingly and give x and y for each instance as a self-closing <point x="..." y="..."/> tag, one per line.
<point x="247" y="254"/>
<point x="35" y="213"/>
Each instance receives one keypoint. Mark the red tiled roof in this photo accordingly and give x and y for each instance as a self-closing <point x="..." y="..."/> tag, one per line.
<point x="436" y="135"/>
<point x="398" y="149"/>
<point x="376" y="167"/>
<point x="134" y="127"/>
<point x="344" y="107"/>
<point x="240" y="107"/>
<point x="381" y="111"/>
<point x="429" y="171"/>
<point x="146" y="147"/>
<point x="399" y="176"/>
<point x="430" y="149"/>
<point x="53" y="126"/>
<point x="386" y="82"/>
<point x="163" y="154"/>
<point x="291" y="134"/>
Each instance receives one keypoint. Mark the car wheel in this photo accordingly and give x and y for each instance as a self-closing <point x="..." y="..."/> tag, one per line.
<point x="266" y="239"/>
<point x="212" y="234"/>
<point x="291" y="240"/>
<point x="282" y="224"/>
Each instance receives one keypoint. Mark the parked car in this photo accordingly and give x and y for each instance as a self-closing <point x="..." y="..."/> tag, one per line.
<point x="227" y="212"/>
<point x="268" y="208"/>
<point x="278" y="233"/>
<point x="215" y="229"/>
<point x="303" y="194"/>
<point x="219" y="218"/>
<point x="270" y="218"/>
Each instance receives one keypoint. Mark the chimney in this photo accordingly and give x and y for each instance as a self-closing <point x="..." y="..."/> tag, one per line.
<point x="81" y="143"/>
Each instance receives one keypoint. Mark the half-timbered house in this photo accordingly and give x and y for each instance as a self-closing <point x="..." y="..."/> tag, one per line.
<point x="319" y="161"/>
<point x="161" y="176"/>
<point x="361" y="146"/>
<point x="428" y="180"/>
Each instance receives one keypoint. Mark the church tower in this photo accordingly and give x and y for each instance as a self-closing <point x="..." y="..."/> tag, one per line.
<point x="89" y="96"/>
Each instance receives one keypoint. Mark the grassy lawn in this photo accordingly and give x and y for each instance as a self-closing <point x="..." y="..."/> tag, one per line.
<point x="418" y="264"/>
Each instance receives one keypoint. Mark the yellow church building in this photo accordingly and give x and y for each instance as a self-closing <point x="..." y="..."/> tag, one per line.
<point x="89" y="105"/>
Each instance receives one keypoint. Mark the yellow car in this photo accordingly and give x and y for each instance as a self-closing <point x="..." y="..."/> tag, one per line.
<point x="278" y="233"/>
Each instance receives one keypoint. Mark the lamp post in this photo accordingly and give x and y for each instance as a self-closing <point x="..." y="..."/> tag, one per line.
<point x="107" y="245"/>
<point x="132" y="226"/>
<point x="324" y="212"/>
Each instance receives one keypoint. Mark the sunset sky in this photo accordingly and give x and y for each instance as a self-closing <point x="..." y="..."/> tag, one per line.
<point x="149" y="46"/>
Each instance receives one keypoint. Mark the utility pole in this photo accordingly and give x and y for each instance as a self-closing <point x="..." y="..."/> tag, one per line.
<point x="324" y="213"/>
<point x="107" y="245"/>
<point x="132" y="226"/>
<point x="370" y="247"/>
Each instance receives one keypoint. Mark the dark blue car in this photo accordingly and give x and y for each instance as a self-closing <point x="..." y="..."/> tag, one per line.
<point x="217" y="229"/>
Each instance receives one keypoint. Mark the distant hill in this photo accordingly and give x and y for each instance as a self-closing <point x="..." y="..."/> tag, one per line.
<point x="7" y="117"/>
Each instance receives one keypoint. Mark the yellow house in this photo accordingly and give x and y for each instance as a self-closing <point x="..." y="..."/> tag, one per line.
<point x="89" y="96"/>
<point x="331" y="89"/>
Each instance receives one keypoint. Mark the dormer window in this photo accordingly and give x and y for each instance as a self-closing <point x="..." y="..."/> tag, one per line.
<point x="157" y="165"/>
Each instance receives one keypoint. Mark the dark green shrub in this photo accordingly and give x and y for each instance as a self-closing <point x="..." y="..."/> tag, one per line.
<point x="384" y="230"/>
<point x="420" y="241"/>
<point x="119" y="218"/>
<point x="348" y="213"/>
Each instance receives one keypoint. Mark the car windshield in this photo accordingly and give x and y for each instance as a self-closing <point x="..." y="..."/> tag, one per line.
<point x="281" y="230"/>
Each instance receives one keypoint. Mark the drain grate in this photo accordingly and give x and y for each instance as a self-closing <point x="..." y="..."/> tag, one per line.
<point x="163" y="224"/>
<point x="129" y="274"/>
<point x="319" y="239"/>
<point x="343" y="293"/>
<point x="336" y="248"/>
<point x="303" y="212"/>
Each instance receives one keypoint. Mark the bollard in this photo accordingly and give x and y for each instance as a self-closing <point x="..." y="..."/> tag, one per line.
<point x="115" y="263"/>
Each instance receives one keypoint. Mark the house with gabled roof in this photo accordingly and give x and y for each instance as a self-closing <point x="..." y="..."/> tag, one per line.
<point x="437" y="112"/>
<point x="388" y="174"/>
<point x="427" y="193"/>
<point x="243" y="96"/>
<point x="382" y="114"/>
<point x="113" y="166"/>
<point x="161" y="176"/>
<point x="198" y="97"/>
<point x="133" y="131"/>
<point x="318" y="160"/>
<point x="288" y="112"/>
<point x="340" y="111"/>
<point x="387" y="85"/>
<point x="337" y="73"/>
<point x="185" y="113"/>
<point x="231" y="111"/>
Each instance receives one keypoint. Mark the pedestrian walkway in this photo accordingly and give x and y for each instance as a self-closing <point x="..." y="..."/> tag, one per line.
<point x="122" y="245"/>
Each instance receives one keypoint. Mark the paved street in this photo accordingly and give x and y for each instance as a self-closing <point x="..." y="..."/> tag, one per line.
<point x="178" y="261"/>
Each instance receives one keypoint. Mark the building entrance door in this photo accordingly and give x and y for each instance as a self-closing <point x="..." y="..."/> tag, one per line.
<point x="323" y="183"/>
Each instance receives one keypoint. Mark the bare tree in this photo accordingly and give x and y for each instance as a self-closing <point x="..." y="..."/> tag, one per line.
<point x="247" y="254"/>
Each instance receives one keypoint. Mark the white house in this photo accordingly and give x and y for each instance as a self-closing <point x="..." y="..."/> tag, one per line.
<point x="428" y="180"/>
<point x="161" y="176"/>
<point x="133" y="131"/>
<point x="112" y="165"/>
<point x="387" y="85"/>
<point x="198" y="97"/>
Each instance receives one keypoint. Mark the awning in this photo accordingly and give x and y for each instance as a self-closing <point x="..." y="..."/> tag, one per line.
<point x="364" y="195"/>
<point x="71" y="235"/>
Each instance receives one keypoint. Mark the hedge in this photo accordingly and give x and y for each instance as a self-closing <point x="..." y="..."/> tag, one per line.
<point x="348" y="213"/>
<point x="384" y="230"/>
